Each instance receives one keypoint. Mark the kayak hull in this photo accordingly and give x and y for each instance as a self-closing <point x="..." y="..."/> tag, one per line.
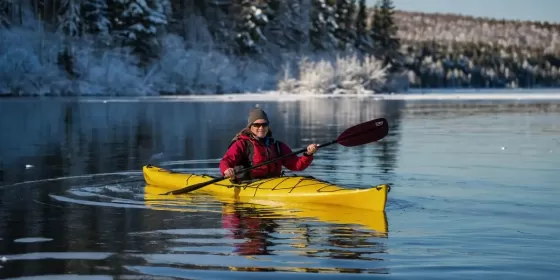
<point x="296" y="189"/>
<point x="342" y="216"/>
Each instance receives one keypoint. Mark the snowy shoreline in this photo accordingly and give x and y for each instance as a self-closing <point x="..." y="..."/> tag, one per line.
<point x="546" y="94"/>
<point x="405" y="97"/>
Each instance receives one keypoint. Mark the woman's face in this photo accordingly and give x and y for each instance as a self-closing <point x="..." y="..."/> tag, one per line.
<point x="259" y="128"/>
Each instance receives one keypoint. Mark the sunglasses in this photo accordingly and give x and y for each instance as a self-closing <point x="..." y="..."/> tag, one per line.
<point x="259" y="124"/>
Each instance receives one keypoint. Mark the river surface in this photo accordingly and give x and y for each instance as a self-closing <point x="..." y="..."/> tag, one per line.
<point x="475" y="191"/>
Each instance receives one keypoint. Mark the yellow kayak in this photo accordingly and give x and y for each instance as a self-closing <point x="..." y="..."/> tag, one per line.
<point x="266" y="209"/>
<point x="287" y="189"/>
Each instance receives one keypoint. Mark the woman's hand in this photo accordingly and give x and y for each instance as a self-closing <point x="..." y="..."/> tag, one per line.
<point x="230" y="173"/>
<point x="311" y="149"/>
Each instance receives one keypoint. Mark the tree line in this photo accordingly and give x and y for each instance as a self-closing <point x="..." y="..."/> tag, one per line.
<point x="423" y="50"/>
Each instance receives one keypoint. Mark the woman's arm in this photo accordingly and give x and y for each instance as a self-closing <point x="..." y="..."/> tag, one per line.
<point x="233" y="156"/>
<point x="294" y="162"/>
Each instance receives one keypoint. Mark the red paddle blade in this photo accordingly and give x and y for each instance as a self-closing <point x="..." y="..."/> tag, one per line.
<point x="364" y="133"/>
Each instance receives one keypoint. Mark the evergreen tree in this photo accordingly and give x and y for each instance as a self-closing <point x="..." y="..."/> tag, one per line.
<point x="48" y="11"/>
<point x="363" y="40"/>
<point x="14" y="12"/>
<point x="166" y="9"/>
<point x="349" y="22"/>
<point x="219" y="20"/>
<point x="6" y="8"/>
<point x="376" y="31"/>
<point x="160" y="12"/>
<point x="323" y="26"/>
<point x="289" y="25"/>
<point x="384" y="34"/>
<point x="96" y="17"/>
<point x="70" y="18"/>
<point x="345" y="33"/>
<point x="250" y="19"/>
<point x="286" y="29"/>
<point x="136" y="23"/>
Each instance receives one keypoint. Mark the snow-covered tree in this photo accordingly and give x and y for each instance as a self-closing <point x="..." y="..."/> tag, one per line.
<point x="6" y="7"/>
<point x="289" y="24"/>
<point x="47" y="11"/>
<point x="166" y="8"/>
<point x="136" y="23"/>
<point x="218" y="18"/>
<point x="15" y="12"/>
<point x="384" y="33"/>
<point x="363" y="40"/>
<point x="160" y="13"/>
<point x="250" y="19"/>
<point x="70" y="19"/>
<point x="344" y="15"/>
<point x="70" y="24"/>
<point x="323" y="26"/>
<point x="96" y="17"/>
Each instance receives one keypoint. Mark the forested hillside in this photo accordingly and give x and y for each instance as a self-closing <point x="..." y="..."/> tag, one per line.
<point x="445" y="50"/>
<point x="146" y="47"/>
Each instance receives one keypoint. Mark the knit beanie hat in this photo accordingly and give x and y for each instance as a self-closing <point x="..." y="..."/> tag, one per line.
<point x="255" y="114"/>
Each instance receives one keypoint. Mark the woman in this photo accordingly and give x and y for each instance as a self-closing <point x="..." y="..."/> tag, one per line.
<point x="254" y="145"/>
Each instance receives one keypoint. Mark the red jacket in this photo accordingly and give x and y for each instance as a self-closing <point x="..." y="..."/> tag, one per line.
<point x="237" y="154"/>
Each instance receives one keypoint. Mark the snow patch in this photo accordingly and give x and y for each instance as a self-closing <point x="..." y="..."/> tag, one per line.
<point x="32" y="239"/>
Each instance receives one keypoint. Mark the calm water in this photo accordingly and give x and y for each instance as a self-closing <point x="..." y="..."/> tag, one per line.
<point x="475" y="192"/>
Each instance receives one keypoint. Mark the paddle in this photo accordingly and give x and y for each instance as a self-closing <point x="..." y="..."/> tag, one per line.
<point x="360" y="134"/>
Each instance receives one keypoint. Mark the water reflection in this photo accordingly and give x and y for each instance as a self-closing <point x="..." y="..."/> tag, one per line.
<point x="244" y="224"/>
<point x="275" y="238"/>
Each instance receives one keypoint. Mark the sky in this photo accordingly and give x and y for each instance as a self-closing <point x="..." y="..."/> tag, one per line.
<point x="540" y="10"/>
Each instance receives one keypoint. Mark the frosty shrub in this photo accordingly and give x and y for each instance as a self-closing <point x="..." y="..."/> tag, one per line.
<point x="359" y="76"/>
<point x="204" y="71"/>
<point x="30" y="66"/>
<point x="287" y="84"/>
<point x="194" y="70"/>
<point x="316" y="77"/>
<point x="28" y="60"/>
<point x="346" y="74"/>
<point x="109" y="72"/>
